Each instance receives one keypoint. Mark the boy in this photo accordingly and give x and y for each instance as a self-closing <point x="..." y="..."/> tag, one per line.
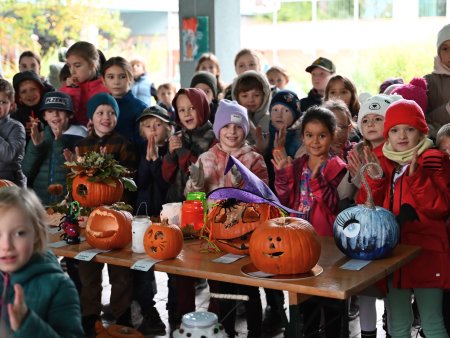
<point x="12" y="138"/>
<point x="142" y="88"/>
<point x="321" y="70"/>
<point x="102" y="111"/>
<point x="44" y="161"/>
<point x="166" y="93"/>
<point x="207" y="82"/>
<point x="443" y="138"/>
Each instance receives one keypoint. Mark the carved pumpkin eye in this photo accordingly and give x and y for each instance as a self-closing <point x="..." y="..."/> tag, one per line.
<point x="351" y="228"/>
<point x="269" y="238"/>
<point x="278" y="239"/>
<point x="250" y="214"/>
<point x="159" y="235"/>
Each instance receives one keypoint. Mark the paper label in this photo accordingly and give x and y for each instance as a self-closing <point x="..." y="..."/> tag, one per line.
<point x="261" y="274"/>
<point x="354" y="264"/>
<point x="57" y="244"/>
<point x="87" y="255"/>
<point x="228" y="258"/>
<point x="144" y="264"/>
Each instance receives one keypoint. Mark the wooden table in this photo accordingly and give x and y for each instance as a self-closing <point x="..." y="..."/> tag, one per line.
<point x="333" y="282"/>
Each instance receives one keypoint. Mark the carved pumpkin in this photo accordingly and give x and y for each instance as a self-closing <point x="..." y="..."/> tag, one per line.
<point x="6" y="183"/>
<point x="163" y="240"/>
<point x="108" y="229"/>
<point x="94" y="194"/>
<point x="366" y="231"/>
<point x="231" y="223"/>
<point x="285" y="245"/>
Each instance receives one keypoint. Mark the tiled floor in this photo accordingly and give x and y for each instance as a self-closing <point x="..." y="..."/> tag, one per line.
<point x="202" y="301"/>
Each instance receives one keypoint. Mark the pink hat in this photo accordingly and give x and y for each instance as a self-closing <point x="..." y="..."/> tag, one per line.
<point x="404" y="112"/>
<point x="415" y="90"/>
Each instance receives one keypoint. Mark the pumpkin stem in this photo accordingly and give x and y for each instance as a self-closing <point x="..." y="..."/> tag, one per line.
<point x="369" y="201"/>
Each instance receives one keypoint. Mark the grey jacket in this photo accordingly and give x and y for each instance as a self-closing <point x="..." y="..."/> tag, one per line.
<point x="12" y="149"/>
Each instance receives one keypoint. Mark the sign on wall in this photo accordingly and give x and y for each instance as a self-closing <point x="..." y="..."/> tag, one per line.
<point x="195" y="37"/>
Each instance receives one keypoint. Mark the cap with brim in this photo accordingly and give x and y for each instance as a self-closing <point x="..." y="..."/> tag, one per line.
<point x="155" y="111"/>
<point x="323" y="63"/>
<point x="253" y="191"/>
<point x="57" y="101"/>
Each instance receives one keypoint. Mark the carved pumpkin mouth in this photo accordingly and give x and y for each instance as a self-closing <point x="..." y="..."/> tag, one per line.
<point x="274" y="254"/>
<point x="239" y="243"/>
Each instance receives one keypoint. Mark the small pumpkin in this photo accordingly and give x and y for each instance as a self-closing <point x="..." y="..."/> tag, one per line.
<point x="107" y="228"/>
<point x="366" y="231"/>
<point x="285" y="245"/>
<point x="6" y="183"/>
<point x="231" y="223"/>
<point x="163" y="241"/>
<point x="93" y="194"/>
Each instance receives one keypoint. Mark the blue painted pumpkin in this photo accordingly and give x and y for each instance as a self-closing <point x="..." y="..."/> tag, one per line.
<point x="366" y="231"/>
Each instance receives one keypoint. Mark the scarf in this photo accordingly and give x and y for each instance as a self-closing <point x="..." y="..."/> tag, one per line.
<point x="405" y="157"/>
<point x="439" y="67"/>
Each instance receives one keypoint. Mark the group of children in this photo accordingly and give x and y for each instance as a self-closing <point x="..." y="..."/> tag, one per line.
<point x="306" y="150"/>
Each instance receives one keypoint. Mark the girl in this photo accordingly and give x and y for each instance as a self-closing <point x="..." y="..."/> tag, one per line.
<point x="412" y="172"/>
<point x="208" y="62"/>
<point x="341" y="87"/>
<point x="278" y="77"/>
<point x="31" y="61"/>
<point x="38" y="299"/>
<point x="84" y="62"/>
<point x="117" y="77"/>
<point x="309" y="184"/>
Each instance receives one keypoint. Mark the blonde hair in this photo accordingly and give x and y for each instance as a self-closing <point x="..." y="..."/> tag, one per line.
<point x="280" y="70"/>
<point x="443" y="132"/>
<point x="27" y="201"/>
<point x="168" y="126"/>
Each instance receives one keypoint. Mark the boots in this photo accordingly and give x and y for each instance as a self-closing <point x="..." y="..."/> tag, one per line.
<point x="152" y="324"/>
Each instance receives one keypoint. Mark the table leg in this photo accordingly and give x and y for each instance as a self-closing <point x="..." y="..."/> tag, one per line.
<point x="295" y="326"/>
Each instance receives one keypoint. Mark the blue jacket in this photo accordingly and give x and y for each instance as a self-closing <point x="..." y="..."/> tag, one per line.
<point x="12" y="150"/>
<point x="51" y="297"/>
<point x="130" y="109"/>
<point x="142" y="89"/>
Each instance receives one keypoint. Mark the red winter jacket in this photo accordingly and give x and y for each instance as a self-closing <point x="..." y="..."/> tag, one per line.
<point x="80" y="96"/>
<point x="421" y="204"/>
<point x="324" y="209"/>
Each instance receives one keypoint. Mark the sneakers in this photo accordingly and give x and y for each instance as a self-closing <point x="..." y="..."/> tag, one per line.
<point x="353" y="312"/>
<point x="273" y="321"/>
<point x="152" y="324"/>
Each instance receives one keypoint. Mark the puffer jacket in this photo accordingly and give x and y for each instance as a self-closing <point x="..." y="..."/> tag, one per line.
<point x="12" y="150"/>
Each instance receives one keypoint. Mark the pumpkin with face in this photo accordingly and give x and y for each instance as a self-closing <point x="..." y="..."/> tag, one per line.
<point x="93" y="194"/>
<point x="163" y="240"/>
<point x="231" y="223"/>
<point x="285" y="245"/>
<point x="107" y="228"/>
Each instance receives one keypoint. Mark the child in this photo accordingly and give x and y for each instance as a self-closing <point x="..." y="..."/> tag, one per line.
<point x="103" y="111"/>
<point x="231" y="127"/>
<point x="156" y="128"/>
<point x="321" y="70"/>
<point x="44" y="161"/>
<point x="247" y="59"/>
<point x="443" y="138"/>
<point x="208" y="83"/>
<point x="412" y="172"/>
<point x="65" y="78"/>
<point x="29" y="91"/>
<point x="117" y="77"/>
<point x="31" y="61"/>
<point x="142" y="87"/>
<point x="210" y="63"/>
<point x="438" y="112"/>
<point x="415" y="90"/>
<point x="251" y="90"/>
<point x="166" y="93"/>
<point x="309" y="184"/>
<point x="12" y="136"/>
<point x="195" y="137"/>
<point x="83" y="60"/>
<point x="277" y="77"/>
<point x="38" y="299"/>
<point x="341" y="87"/>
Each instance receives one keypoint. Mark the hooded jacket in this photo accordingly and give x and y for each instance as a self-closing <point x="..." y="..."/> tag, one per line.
<point x="51" y="297"/>
<point x="12" y="149"/>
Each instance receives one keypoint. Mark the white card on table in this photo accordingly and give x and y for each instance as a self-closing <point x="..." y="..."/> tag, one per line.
<point x="87" y="255"/>
<point x="144" y="264"/>
<point x="261" y="274"/>
<point x="354" y="264"/>
<point x="228" y="258"/>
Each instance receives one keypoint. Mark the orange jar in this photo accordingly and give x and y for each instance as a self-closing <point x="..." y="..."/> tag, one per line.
<point x="192" y="216"/>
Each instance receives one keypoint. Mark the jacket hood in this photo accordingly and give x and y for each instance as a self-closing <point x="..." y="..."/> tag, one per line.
<point x="264" y="109"/>
<point x="199" y="101"/>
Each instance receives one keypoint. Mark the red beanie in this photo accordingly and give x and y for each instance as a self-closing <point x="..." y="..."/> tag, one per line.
<point x="404" y="112"/>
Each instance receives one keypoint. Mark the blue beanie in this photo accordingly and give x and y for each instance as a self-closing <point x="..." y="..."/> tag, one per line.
<point x="98" y="100"/>
<point x="288" y="99"/>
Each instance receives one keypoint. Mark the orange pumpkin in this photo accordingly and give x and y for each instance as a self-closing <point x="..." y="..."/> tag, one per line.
<point x="108" y="229"/>
<point x="94" y="194"/>
<point x="285" y="245"/>
<point x="231" y="223"/>
<point x="6" y="183"/>
<point x="163" y="240"/>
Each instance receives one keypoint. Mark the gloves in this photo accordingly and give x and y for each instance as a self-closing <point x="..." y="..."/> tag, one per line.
<point x="197" y="175"/>
<point x="236" y="178"/>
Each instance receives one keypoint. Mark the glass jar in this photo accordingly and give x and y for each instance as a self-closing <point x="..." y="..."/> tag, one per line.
<point x="192" y="217"/>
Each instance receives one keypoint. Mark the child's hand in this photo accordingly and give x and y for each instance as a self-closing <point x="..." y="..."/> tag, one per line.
<point x="354" y="163"/>
<point x="57" y="131"/>
<point x="280" y="138"/>
<point x="370" y="157"/>
<point x="236" y="177"/>
<point x="413" y="165"/>
<point x="18" y="310"/>
<point x="152" y="149"/>
<point x="90" y="127"/>
<point x="196" y="174"/>
<point x="175" y="143"/>
<point x="280" y="159"/>
<point x="261" y="141"/>
<point x="316" y="171"/>
<point x="70" y="156"/>
<point x="36" y="136"/>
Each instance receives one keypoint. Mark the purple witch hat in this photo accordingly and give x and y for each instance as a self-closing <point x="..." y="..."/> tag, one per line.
<point x="254" y="190"/>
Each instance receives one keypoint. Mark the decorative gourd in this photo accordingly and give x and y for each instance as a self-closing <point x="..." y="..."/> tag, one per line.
<point x="366" y="231"/>
<point x="108" y="228"/>
<point x="6" y="183"/>
<point x="163" y="240"/>
<point x="231" y="223"/>
<point x="94" y="194"/>
<point x="285" y="245"/>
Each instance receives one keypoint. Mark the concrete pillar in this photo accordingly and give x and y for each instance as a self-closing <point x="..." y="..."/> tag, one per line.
<point x="224" y="34"/>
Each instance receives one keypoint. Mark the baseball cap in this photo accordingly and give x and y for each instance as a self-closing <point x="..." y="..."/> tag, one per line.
<point x="57" y="101"/>
<point x="155" y="111"/>
<point x="323" y="63"/>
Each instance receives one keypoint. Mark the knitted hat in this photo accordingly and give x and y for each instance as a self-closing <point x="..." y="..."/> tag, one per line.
<point x="415" y="90"/>
<point x="57" y="101"/>
<point x="98" y="100"/>
<point x="388" y="83"/>
<point x="323" y="63"/>
<point x="443" y="35"/>
<point x="405" y="112"/>
<point x="199" y="101"/>
<point x="230" y="112"/>
<point x="289" y="100"/>
<point x="376" y="104"/>
<point x="24" y="76"/>
<point x="207" y="78"/>
<point x="155" y="111"/>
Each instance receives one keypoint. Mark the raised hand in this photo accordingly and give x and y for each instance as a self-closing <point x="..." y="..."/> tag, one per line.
<point x="37" y="137"/>
<point x="70" y="156"/>
<point x="413" y="165"/>
<point x="354" y="163"/>
<point x="196" y="174"/>
<point x="316" y="170"/>
<point x="17" y="310"/>
<point x="236" y="177"/>
<point x="280" y="159"/>
<point x="370" y="157"/>
<point x="261" y="141"/>
<point x="152" y="149"/>
<point x="175" y="143"/>
<point x="280" y="138"/>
